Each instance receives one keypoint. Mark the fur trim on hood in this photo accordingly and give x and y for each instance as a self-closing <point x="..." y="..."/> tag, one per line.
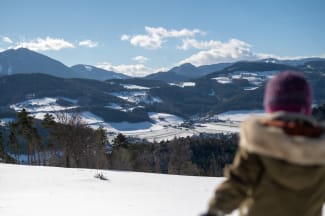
<point x="272" y="141"/>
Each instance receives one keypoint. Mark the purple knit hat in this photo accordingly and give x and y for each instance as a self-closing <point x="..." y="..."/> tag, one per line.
<point x="288" y="91"/>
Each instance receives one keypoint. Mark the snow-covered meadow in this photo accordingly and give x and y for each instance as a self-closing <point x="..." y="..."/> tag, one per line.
<point x="51" y="191"/>
<point x="254" y="78"/>
<point x="163" y="126"/>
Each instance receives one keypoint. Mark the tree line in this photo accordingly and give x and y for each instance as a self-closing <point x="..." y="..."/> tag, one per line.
<point x="62" y="139"/>
<point x="196" y="155"/>
<point x="58" y="140"/>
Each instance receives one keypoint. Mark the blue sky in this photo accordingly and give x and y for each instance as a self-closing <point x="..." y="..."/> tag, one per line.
<point x="143" y="36"/>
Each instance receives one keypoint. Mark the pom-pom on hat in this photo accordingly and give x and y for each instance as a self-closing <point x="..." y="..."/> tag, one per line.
<point x="288" y="91"/>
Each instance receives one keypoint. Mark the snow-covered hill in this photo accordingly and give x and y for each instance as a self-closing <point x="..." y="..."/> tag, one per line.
<point x="50" y="191"/>
<point x="255" y="79"/>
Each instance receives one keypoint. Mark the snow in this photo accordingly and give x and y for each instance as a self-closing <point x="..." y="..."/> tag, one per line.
<point x="223" y="80"/>
<point x="250" y="88"/>
<point x="161" y="127"/>
<point x="45" y="104"/>
<point x="69" y="100"/>
<point x="160" y="121"/>
<point x="90" y="118"/>
<point x="188" y="84"/>
<point x="52" y="191"/>
<point x="5" y="121"/>
<point x="114" y="106"/>
<point x="137" y="97"/>
<point x="129" y="86"/>
<point x="34" y="190"/>
<point x="218" y="128"/>
<point x="183" y="84"/>
<point x="238" y="115"/>
<point x="88" y="68"/>
<point x="254" y="78"/>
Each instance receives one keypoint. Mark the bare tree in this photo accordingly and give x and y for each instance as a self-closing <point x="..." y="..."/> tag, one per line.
<point x="76" y="144"/>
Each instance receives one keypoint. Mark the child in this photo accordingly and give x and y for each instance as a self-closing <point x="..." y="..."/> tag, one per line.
<point x="279" y="169"/>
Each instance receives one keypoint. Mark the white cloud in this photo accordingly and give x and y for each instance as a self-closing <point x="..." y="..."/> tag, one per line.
<point x="217" y="51"/>
<point x="136" y="70"/>
<point x="125" y="37"/>
<point x="189" y="43"/>
<point x="7" y="40"/>
<point x="46" y="44"/>
<point x="88" y="43"/>
<point x="155" y="36"/>
<point x="140" y="59"/>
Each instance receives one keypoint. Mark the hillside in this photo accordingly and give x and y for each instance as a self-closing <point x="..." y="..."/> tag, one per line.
<point x="57" y="191"/>
<point x="61" y="191"/>
<point x="88" y="71"/>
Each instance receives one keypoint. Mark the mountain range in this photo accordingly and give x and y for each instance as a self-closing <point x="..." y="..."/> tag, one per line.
<point x="27" y="79"/>
<point x="24" y="61"/>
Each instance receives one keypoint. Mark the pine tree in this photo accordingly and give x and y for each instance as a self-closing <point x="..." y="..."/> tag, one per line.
<point x="120" y="139"/>
<point x="48" y="121"/>
<point x="29" y="133"/>
<point x="49" y="124"/>
<point x="13" y="142"/>
<point x="101" y="133"/>
<point x="37" y="140"/>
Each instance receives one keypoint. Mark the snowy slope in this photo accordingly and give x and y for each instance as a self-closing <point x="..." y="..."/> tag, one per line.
<point x="255" y="79"/>
<point x="44" y="105"/>
<point x="39" y="191"/>
<point x="51" y="191"/>
<point x="239" y="115"/>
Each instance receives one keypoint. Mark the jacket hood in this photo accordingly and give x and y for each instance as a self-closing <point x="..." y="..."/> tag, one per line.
<point x="275" y="142"/>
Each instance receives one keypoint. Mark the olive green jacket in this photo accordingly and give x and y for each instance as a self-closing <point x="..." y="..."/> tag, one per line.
<point x="275" y="171"/>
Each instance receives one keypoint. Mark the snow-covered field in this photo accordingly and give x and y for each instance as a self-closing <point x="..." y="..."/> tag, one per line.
<point x="51" y="191"/>
<point x="254" y="78"/>
<point x="167" y="126"/>
<point x="163" y="126"/>
<point x="137" y="96"/>
<point x="44" y="105"/>
<point x="239" y="115"/>
<point x="183" y="84"/>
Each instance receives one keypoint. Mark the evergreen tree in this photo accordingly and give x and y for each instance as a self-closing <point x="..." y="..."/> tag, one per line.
<point x="48" y="121"/>
<point x="49" y="124"/>
<point x="26" y="129"/>
<point x="120" y="139"/>
<point x="13" y="142"/>
<point x="101" y="133"/>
